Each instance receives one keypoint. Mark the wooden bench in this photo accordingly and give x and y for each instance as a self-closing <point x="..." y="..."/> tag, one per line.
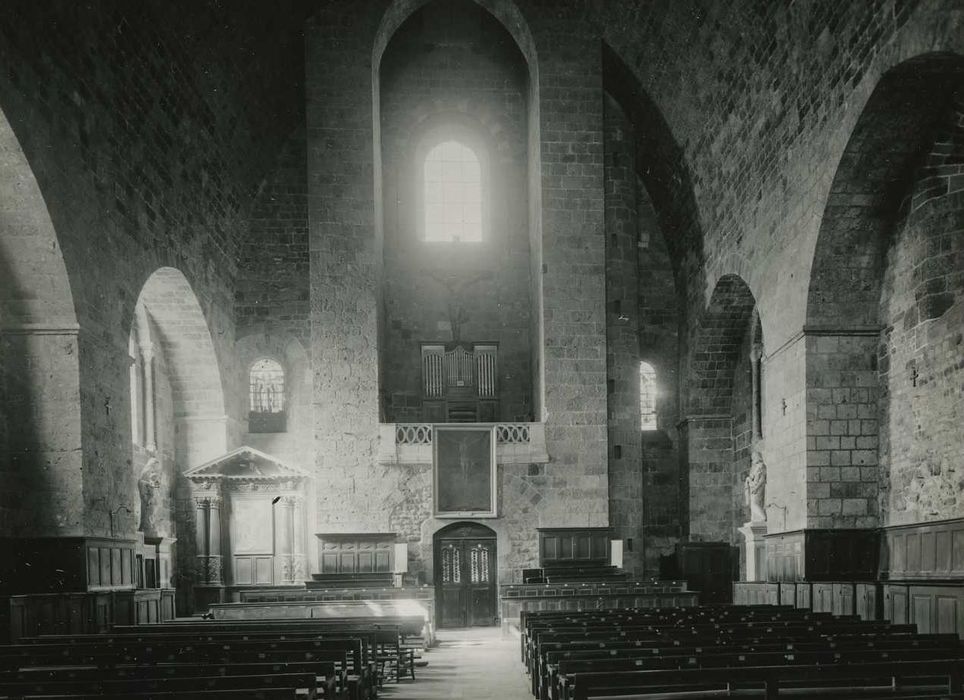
<point x="713" y="650"/>
<point x="848" y="680"/>
<point x="129" y="686"/>
<point x="247" y="693"/>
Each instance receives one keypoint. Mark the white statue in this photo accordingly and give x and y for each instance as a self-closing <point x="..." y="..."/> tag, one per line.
<point x="152" y="487"/>
<point x="754" y="489"/>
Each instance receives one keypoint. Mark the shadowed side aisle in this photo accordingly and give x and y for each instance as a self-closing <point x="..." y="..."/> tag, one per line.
<point x="467" y="664"/>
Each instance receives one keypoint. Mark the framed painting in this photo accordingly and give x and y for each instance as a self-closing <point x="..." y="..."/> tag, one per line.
<point x="464" y="458"/>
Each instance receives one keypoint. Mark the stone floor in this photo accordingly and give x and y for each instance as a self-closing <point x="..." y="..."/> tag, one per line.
<point x="467" y="664"/>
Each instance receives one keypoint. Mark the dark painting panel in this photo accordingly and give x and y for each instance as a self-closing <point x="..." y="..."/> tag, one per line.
<point x="463" y="464"/>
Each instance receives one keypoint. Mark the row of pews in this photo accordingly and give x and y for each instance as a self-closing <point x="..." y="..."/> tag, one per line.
<point x="571" y="573"/>
<point x="344" y="659"/>
<point x="747" y="651"/>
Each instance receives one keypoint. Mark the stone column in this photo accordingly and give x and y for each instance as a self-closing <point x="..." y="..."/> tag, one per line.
<point x="298" y="566"/>
<point x="756" y="356"/>
<point x="345" y="252"/>
<point x="201" y="538"/>
<point x="147" y="362"/>
<point x="283" y="518"/>
<point x="214" y="541"/>
<point x="571" y="283"/>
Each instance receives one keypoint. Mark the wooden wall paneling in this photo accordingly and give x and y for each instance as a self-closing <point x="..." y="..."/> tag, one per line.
<point x="895" y="606"/>
<point x="866" y="601"/>
<point x="574" y="545"/>
<point x="822" y="597"/>
<point x="844" y="598"/>
<point x="933" y="550"/>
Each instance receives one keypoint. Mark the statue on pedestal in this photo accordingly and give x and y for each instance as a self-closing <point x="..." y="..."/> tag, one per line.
<point x="151" y="486"/>
<point x="754" y="489"/>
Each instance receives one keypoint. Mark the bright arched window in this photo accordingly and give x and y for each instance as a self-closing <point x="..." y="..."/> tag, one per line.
<point x="266" y="397"/>
<point x="647" y="396"/>
<point x="452" y="194"/>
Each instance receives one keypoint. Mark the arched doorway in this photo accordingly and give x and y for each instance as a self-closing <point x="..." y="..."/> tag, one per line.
<point x="465" y="576"/>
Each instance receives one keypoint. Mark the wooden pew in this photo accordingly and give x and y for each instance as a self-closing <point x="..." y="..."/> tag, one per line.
<point x="148" y="654"/>
<point x="585" y="660"/>
<point x="847" y="678"/>
<point x="248" y="694"/>
<point x="710" y="649"/>
<point x="238" y="684"/>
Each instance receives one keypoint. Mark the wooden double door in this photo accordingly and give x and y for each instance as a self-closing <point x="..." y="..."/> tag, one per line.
<point x="465" y="576"/>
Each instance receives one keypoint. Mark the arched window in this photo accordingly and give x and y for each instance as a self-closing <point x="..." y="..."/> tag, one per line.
<point x="452" y="194"/>
<point x="647" y="396"/>
<point x="266" y="397"/>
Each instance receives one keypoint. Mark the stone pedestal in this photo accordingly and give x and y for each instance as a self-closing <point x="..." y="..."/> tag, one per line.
<point x="754" y="546"/>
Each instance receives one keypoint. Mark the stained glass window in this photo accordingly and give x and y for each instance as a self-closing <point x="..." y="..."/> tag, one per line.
<point x="266" y="392"/>
<point x="452" y="195"/>
<point x="647" y="396"/>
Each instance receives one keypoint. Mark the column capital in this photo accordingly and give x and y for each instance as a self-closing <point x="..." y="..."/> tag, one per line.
<point x="208" y="500"/>
<point x="147" y="350"/>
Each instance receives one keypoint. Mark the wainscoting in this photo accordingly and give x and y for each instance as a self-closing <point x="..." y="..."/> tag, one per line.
<point x="919" y="574"/>
<point x="928" y="551"/>
<point x="573" y="546"/>
<point x="822" y="555"/>
<point x="85" y="613"/>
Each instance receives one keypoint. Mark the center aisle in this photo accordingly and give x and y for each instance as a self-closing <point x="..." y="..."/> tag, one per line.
<point x="467" y="664"/>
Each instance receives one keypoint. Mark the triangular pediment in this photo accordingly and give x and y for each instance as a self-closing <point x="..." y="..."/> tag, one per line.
<point x="246" y="463"/>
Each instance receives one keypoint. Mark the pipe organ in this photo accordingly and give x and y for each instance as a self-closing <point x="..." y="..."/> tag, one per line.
<point x="460" y="383"/>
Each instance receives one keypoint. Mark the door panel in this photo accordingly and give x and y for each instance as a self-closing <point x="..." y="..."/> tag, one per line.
<point x="465" y="582"/>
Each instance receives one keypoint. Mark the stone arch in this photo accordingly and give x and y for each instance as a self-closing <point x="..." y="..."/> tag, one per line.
<point x="862" y="349"/>
<point x="871" y="187"/>
<point x="507" y="13"/>
<point x="661" y="165"/>
<point x="180" y="331"/>
<point x="721" y="331"/>
<point x="718" y="406"/>
<point x="40" y="408"/>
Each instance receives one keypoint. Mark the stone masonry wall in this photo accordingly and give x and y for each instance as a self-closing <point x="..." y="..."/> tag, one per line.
<point x="271" y="295"/>
<point x="361" y="495"/>
<point x="921" y="352"/>
<point x="573" y="258"/>
<point x="456" y="68"/>
<point x="146" y="144"/>
<point x="762" y="137"/>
